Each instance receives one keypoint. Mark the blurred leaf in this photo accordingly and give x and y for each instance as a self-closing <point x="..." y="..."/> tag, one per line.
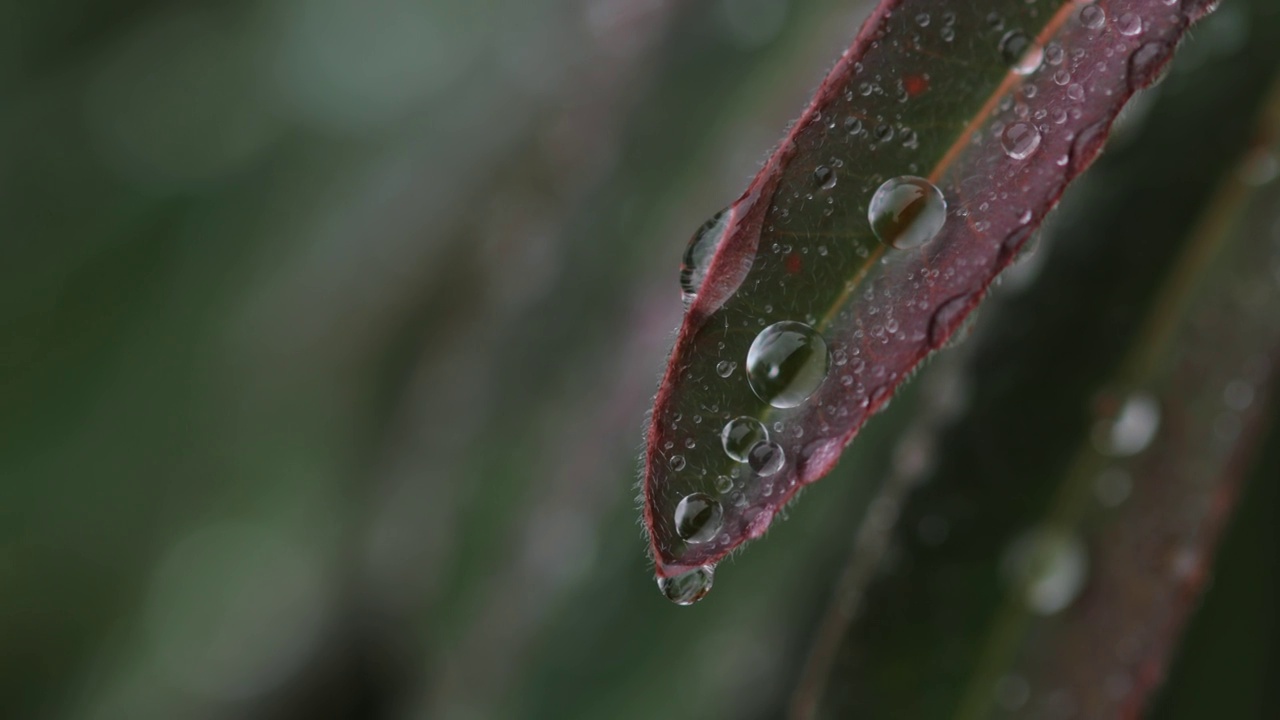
<point x="1027" y="581"/>
<point x="807" y="318"/>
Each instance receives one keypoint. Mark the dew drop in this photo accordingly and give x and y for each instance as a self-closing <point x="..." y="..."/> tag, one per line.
<point x="824" y="177"/>
<point x="740" y="435"/>
<point x="1019" y="53"/>
<point x="690" y="587"/>
<point x="724" y="484"/>
<point x="697" y="255"/>
<point x="1049" y="567"/>
<point x="852" y="125"/>
<point x="945" y="318"/>
<point x="1132" y="429"/>
<point x="1020" y="140"/>
<point x="725" y="368"/>
<point x="766" y="458"/>
<point x="884" y="132"/>
<point x="676" y="462"/>
<point x="1093" y="17"/>
<point x="786" y="363"/>
<point x="907" y="212"/>
<point x="1147" y="65"/>
<point x="698" y="518"/>
<point x="1129" y="24"/>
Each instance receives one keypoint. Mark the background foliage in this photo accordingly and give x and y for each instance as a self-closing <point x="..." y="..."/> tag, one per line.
<point x="326" y="334"/>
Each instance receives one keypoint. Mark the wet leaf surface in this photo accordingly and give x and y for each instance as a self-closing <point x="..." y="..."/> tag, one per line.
<point x="928" y="157"/>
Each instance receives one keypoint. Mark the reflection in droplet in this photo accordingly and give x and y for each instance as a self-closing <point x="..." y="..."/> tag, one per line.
<point x="1049" y="567"/>
<point x="690" y="587"/>
<point x="786" y="363"/>
<point x="740" y="435"/>
<point x="766" y="458"/>
<point x="907" y="212"/>
<point x="698" y="517"/>
<point x="697" y="255"/>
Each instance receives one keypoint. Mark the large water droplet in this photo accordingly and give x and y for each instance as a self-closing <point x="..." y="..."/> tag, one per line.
<point x="786" y="363"/>
<point x="697" y="255"/>
<point x="1147" y="65"/>
<point x="698" y="518"/>
<point x="907" y="212"/>
<point x="740" y="435"/>
<point x="690" y="587"/>
<point x="1049" y="567"/>
<point x="1093" y="17"/>
<point x="766" y="458"/>
<point x="1132" y="429"/>
<point x="1020" y="140"/>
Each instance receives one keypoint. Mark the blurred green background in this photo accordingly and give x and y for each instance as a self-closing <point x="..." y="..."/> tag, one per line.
<point x="327" y="330"/>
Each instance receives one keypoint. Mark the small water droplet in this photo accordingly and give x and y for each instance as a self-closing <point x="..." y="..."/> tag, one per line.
<point x="907" y="212"/>
<point x="884" y="132"/>
<point x="690" y="587"/>
<point x="824" y="177"/>
<point x="1129" y="24"/>
<point x="724" y="484"/>
<point x="740" y="435"/>
<point x="698" y="253"/>
<point x="725" y="368"/>
<point x="1019" y="53"/>
<point x="1020" y="140"/>
<point x="766" y="458"/>
<point x="676" y="462"/>
<point x="852" y="125"/>
<point x="698" y="517"/>
<point x="1050" y="568"/>
<point x="786" y="363"/>
<point x="1093" y="17"/>
<point x="1132" y="429"/>
<point x="945" y="317"/>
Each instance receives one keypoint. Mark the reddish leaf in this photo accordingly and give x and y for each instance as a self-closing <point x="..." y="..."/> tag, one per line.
<point x="924" y="91"/>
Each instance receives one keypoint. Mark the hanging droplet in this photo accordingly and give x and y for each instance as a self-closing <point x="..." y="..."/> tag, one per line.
<point x="698" y="518"/>
<point x="786" y="363"/>
<point x="697" y="255"/>
<point x="740" y="435"/>
<point x="1049" y="567"/>
<point x="907" y="212"/>
<point x="767" y="458"/>
<point x="1020" y="140"/>
<point x="1019" y="53"/>
<point x="1131" y="430"/>
<point x="690" y="587"/>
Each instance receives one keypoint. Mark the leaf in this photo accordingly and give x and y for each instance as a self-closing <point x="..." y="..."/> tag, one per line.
<point x="998" y="108"/>
<point x="1033" y="582"/>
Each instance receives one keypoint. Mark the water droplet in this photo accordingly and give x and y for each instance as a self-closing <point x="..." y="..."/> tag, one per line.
<point x="944" y="318"/>
<point x="690" y="587"/>
<point x="852" y="125"/>
<point x="1020" y="140"/>
<point x="725" y="368"/>
<point x="698" y="518"/>
<point x="1020" y="53"/>
<point x="884" y="132"/>
<point x="1129" y="24"/>
<point x="825" y="177"/>
<point x="786" y="363"/>
<point x="676" y="462"/>
<point x="740" y="435"/>
<point x="1147" y="65"/>
<point x="724" y="484"/>
<point x="766" y="458"/>
<point x="906" y="212"/>
<point x="697" y="255"/>
<point x="1050" y="568"/>
<point x="1093" y="17"/>
<point x="1133" y="428"/>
